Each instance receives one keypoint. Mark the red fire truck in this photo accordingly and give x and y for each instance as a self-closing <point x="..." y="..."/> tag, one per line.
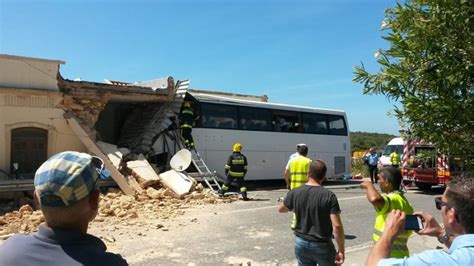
<point x="425" y="166"/>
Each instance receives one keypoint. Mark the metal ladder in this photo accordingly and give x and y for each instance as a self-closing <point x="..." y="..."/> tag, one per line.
<point x="204" y="173"/>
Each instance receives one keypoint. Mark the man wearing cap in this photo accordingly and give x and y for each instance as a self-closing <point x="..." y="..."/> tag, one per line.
<point x="372" y="158"/>
<point x="67" y="193"/>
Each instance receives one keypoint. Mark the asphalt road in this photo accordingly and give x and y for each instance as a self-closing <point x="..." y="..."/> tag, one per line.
<point x="254" y="232"/>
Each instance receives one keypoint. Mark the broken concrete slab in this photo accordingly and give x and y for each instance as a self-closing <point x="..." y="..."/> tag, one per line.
<point x="178" y="182"/>
<point x="113" y="153"/>
<point x="142" y="169"/>
<point x="127" y="186"/>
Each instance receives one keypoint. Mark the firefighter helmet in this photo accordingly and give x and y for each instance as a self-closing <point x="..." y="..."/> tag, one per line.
<point x="237" y="147"/>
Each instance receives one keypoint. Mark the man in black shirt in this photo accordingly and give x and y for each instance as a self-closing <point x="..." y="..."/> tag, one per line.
<point x="317" y="220"/>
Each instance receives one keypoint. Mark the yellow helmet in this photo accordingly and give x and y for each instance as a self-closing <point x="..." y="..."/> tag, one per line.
<point x="187" y="104"/>
<point x="237" y="147"/>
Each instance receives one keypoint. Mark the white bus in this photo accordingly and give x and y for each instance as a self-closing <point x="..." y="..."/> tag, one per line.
<point x="269" y="133"/>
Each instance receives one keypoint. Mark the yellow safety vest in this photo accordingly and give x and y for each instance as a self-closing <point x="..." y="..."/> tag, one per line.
<point x="395" y="158"/>
<point x="299" y="167"/>
<point x="393" y="201"/>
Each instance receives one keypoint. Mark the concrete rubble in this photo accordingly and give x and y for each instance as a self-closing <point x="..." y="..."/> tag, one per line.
<point x="116" y="208"/>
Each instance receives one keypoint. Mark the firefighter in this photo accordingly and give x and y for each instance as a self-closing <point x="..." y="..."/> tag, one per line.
<point x="296" y="172"/>
<point x="186" y="119"/>
<point x="395" y="159"/>
<point x="235" y="169"/>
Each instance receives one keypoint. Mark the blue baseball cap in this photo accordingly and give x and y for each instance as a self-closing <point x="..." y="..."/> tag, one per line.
<point x="68" y="177"/>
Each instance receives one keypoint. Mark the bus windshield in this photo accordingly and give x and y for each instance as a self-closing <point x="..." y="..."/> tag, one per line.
<point x="391" y="148"/>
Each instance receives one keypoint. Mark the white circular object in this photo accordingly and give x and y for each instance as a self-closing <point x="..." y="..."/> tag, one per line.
<point x="181" y="160"/>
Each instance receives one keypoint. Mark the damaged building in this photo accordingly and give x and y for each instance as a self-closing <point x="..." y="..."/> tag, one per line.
<point x="134" y="128"/>
<point x="41" y="114"/>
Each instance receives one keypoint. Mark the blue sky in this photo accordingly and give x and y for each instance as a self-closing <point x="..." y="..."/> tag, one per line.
<point x="296" y="52"/>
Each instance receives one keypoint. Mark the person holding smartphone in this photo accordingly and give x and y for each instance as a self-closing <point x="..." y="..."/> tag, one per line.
<point x="389" y="180"/>
<point x="457" y="210"/>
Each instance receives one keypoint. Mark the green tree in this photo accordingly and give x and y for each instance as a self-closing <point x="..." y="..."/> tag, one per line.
<point x="366" y="140"/>
<point x="428" y="69"/>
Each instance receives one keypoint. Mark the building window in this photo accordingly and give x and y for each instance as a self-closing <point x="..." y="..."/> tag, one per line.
<point x="29" y="149"/>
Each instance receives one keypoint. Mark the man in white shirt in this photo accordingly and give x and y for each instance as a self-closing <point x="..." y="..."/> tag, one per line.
<point x="294" y="155"/>
<point x="298" y="146"/>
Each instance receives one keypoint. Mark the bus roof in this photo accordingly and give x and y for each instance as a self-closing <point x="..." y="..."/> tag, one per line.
<point x="201" y="97"/>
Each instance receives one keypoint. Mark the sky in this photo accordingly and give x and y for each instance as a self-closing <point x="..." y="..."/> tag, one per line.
<point x="295" y="52"/>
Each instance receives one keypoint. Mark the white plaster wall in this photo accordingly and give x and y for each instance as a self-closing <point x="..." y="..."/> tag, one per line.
<point x="28" y="73"/>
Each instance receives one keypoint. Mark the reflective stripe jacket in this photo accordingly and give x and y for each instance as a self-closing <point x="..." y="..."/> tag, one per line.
<point x="236" y="165"/>
<point x="394" y="158"/>
<point x="393" y="201"/>
<point x="186" y="117"/>
<point x="299" y="167"/>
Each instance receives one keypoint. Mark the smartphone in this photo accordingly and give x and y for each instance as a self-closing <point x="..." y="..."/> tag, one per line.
<point x="413" y="222"/>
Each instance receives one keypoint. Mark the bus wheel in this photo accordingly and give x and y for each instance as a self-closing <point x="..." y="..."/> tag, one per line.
<point x="423" y="186"/>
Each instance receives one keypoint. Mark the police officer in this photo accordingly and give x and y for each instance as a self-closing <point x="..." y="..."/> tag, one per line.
<point x="296" y="172"/>
<point x="389" y="181"/>
<point x="186" y="119"/>
<point x="372" y="159"/>
<point x="235" y="169"/>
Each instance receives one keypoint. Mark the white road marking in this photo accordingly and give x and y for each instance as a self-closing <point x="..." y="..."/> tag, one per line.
<point x="358" y="197"/>
<point x="276" y="206"/>
<point x="359" y="247"/>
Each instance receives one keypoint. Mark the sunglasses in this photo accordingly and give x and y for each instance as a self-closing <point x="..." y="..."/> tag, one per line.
<point x="100" y="168"/>
<point x="439" y="203"/>
<point x="98" y="164"/>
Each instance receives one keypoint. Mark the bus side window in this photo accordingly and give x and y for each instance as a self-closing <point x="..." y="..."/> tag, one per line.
<point x="315" y="123"/>
<point x="281" y="124"/>
<point x="226" y="124"/>
<point x="337" y="125"/>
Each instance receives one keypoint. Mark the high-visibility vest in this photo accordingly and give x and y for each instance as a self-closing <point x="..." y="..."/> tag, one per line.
<point x="395" y="158"/>
<point x="393" y="201"/>
<point x="299" y="167"/>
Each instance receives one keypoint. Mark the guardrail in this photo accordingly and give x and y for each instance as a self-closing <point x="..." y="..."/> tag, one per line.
<point x="16" y="185"/>
<point x="27" y="185"/>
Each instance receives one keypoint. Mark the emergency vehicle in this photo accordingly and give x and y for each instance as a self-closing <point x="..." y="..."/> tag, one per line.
<point x="423" y="164"/>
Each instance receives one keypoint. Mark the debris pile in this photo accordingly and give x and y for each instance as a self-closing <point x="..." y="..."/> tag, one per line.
<point x="154" y="204"/>
<point x="25" y="220"/>
<point x="115" y="207"/>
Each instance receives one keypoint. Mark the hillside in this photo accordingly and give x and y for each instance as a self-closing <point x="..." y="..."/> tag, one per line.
<point x="365" y="140"/>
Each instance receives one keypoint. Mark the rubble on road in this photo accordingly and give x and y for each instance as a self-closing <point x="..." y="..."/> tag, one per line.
<point x="115" y="207"/>
<point x="25" y="220"/>
<point x="154" y="204"/>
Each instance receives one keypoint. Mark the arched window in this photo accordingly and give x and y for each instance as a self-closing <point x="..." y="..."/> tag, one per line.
<point x="29" y="149"/>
